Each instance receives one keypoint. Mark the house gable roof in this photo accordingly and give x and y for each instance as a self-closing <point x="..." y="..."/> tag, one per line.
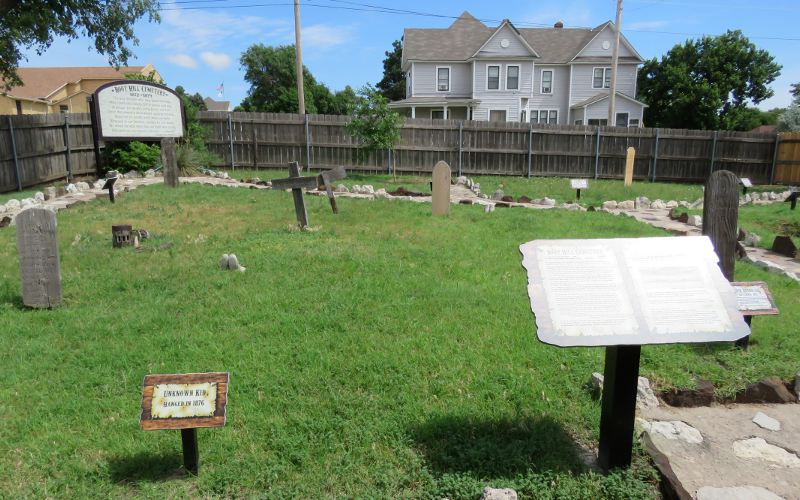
<point x="467" y="35"/>
<point x="40" y="83"/>
<point x="602" y="96"/>
<point x="608" y="25"/>
<point x="505" y="26"/>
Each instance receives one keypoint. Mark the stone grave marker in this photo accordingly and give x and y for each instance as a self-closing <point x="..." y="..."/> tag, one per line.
<point x="441" y="189"/>
<point x="784" y="245"/>
<point x="37" y="243"/>
<point x="630" y="159"/>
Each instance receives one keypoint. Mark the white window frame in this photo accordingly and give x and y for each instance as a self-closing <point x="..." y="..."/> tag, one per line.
<point x="616" y="119"/>
<point x="547" y="111"/>
<point x="449" y="78"/>
<point x="436" y="110"/>
<point x="597" y="120"/>
<point x="489" y="113"/>
<point x="499" y="77"/>
<point x="552" y="81"/>
<point x="605" y="69"/>
<point x="519" y="75"/>
<point x="633" y="125"/>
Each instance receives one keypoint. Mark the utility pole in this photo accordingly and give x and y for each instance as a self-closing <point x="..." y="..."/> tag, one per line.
<point x="301" y="100"/>
<point x="612" y="115"/>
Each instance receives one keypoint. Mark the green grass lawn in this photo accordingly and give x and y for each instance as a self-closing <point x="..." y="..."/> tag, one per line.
<point x="387" y="354"/>
<point x="768" y="221"/>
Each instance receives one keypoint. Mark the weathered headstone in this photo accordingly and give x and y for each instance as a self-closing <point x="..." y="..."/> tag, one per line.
<point x="441" y="189"/>
<point x="785" y="246"/>
<point x="629" y="162"/>
<point x="37" y="243"/>
<point x="721" y="217"/>
<point x="170" y="161"/>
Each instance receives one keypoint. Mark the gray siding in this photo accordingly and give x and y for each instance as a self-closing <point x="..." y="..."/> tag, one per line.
<point x="515" y="47"/>
<point x="595" y="47"/>
<point x="582" y="75"/>
<point x="424" y="80"/>
<point x="599" y="110"/>
<point x="560" y="96"/>
<point x="508" y="100"/>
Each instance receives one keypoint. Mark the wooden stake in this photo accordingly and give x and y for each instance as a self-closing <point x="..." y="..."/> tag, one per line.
<point x="629" y="162"/>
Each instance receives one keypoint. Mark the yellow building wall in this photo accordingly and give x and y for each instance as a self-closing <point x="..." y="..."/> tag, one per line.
<point x="7" y="106"/>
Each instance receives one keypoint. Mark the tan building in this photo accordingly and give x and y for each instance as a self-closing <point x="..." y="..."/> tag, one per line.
<point x="62" y="90"/>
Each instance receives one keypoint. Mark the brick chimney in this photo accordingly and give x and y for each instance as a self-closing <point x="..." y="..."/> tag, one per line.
<point x="558" y="25"/>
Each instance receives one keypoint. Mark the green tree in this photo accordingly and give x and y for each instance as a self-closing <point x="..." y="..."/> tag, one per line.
<point x="795" y="91"/>
<point x="706" y="83"/>
<point x="374" y="123"/>
<point x="26" y="24"/>
<point x="393" y="84"/>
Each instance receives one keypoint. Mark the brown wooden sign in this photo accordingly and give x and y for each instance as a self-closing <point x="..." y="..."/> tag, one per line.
<point x="753" y="298"/>
<point x="184" y="401"/>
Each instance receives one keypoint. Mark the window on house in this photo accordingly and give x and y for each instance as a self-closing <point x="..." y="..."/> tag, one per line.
<point x="578" y="122"/>
<point x="602" y="122"/>
<point x="522" y="116"/>
<point x="602" y="78"/>
<point x="512" y="78"/>
<point x="552" y="116"/>
<point x="622" y="120"/>
<point x="493" y="77"/>
<point x="64" y="109"/>
<point x="497" y="115"/>
<point x="544" y="116"/>
<point x="547" y="82"/>
<point x="437" y="114"/>
<point x="443" y="79"/>
<point x="633" y="123"/>
<point x="534" y="116"/>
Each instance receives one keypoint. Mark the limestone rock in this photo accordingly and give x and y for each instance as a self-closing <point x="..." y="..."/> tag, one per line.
<point x="71" y="188"/>
<point x="150" y="173"/>
<point x="695" y="220"/>
<point x="12" y="204"/>
<point x="132" y="174"/>
<point x="27" y="203"/>
<point x="381" y="193"/>
<point x="674" y="429"/>
<point x="2" y="208"/>
<point x="609" y="205"/>
<point x="38" y="197"/>
<point x="99" y="184"/>
<point x="83" y="186"/>
<point x="341" y="188"/>
<point x="684" y="204"/>
<point x="498" y="494"/>
<point x="223" y="261"/>
<point x="368" y="189"/>
<point x="462" y="180"/>
<point x="644" y="394"/>
<point x="658" y="204"/>
<point x="769" y="390"/>
<point x="498" y="195"/>
<point x="766" y="422"/>
<point x="641" y="202"/>
<point x="548" y="202"/>
<point x="772" y="196"/>
<point x="671" y="204"/>
<point x="736" y="493"/>
<point x="759" y="449"/>
<point x="626" y="205"/>
<point x="356" y="189"/>
<point x="752" y="240"/>
<point x="49" y="193"/>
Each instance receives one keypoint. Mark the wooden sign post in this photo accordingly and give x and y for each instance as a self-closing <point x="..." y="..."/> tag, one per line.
<point x="577" y="185"/>
<point x="441" y="189"/>
<point x="629" y="162"/>
<point x="37" y="243"/>
<point x="187" y="402"/>
<point x="622" y="294"/>
<point x="296" y="183"/>
<point x="753" y="299"/>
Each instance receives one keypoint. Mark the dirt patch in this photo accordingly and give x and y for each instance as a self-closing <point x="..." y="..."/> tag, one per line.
<point x="401" y="191"/>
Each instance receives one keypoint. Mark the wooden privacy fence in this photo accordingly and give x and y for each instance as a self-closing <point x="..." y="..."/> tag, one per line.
<point x="265" y="140"/>
<point x="787" y="164"/>
<point x="35" y="149"/>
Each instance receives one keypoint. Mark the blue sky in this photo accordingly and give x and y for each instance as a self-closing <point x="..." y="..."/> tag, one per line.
<point x="198" y="42"/>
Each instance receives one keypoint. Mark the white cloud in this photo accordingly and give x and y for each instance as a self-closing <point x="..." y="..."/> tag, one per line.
<point x="182" y="60"/>
<point x="217" y="60"/>
<point x="325" y="35"/>
<point x="644" y="25"/>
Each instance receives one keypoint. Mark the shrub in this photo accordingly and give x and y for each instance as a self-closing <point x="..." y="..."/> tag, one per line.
<point x="191" y="161"/>
<point x="134" y="155"/>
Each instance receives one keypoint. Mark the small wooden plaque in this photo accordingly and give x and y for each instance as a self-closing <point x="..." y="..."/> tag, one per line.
<point x="184" y="401"/>
<point x="746" y="182"/>
<point x="754" y="299"/>
<point x="579" y="183"/>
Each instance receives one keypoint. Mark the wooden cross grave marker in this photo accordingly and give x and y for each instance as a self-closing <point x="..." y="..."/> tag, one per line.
<point x="296" y="183"/>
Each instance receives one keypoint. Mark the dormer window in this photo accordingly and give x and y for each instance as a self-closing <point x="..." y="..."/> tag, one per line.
<point x="443" y="79"/>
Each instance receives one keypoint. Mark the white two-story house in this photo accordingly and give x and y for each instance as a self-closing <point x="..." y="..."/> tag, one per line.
<point x="470" y="71"/>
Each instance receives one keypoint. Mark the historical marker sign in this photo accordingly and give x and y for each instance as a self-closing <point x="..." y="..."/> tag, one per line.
<point x="753" y="298"/>
<point x="131" y="109"/>
<point x="579" y="183"/>
<point x="184" y="401"/>
<point x="745" y="181"/>
<point x="630" y="291"/>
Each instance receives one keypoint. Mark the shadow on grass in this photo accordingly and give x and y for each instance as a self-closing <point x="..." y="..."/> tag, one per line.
<point x="146" y="467"/>
<point x="497" y="447"/>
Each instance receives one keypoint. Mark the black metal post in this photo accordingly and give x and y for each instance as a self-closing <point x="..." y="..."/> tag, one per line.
<point x="618" y="406"/>
<point x="191" y="455"/>
<point x="578" y="193"/>
<point x="743" y="342"/>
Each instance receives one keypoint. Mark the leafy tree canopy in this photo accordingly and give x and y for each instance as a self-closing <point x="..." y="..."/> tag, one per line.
<point x="393" y="84"/>
<point x="706" y="83"/>
<point x="374" y="123"/>
<point x="271" y="74"/>
<point x="26" y="24"/>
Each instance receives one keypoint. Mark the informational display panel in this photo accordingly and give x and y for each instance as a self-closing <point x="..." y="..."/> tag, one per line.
<point x="746" y="182"/>
<point x="630" y="291"/>
<point x="131" y="109"/>
<point x="754" y="299"/>
<point x="184" y="401"/>
<point x="579" y="183"/>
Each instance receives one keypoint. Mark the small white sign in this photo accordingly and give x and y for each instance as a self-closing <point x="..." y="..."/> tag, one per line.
<point x="746" y="182"/>
<point x="579" y="183"/>
<point x="138" y="110"/>
<point x="184" y="400"/>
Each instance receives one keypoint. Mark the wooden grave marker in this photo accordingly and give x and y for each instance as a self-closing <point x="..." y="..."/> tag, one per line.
<point x="111" y="179"/>
<point x="441" y="189"/>
<point x="721" y="217"/>
<point x="37" y="244"/>
<point x="185" y="401"/>
<point x="630" y="159"/>
<point x="753" y="299"/>
<point x="296" y="183"/>
<point x="170" y="162"/>
<point x="577" y="185"/>
<point x="622" y="294"/>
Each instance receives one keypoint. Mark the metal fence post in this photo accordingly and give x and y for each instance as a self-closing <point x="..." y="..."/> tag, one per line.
<point x="460" y="144"/>
<point x="14" y="153"/>
<point x="713" y="151"/>
<point x="597" y="155"/>
<point x="230" y="139"/>
<point x="308" y="145"/>
<point x="530" y="148"/>
<point x="655" y="154"/>
<point x="774" y="159"/>
<point x="68" y="152"/>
